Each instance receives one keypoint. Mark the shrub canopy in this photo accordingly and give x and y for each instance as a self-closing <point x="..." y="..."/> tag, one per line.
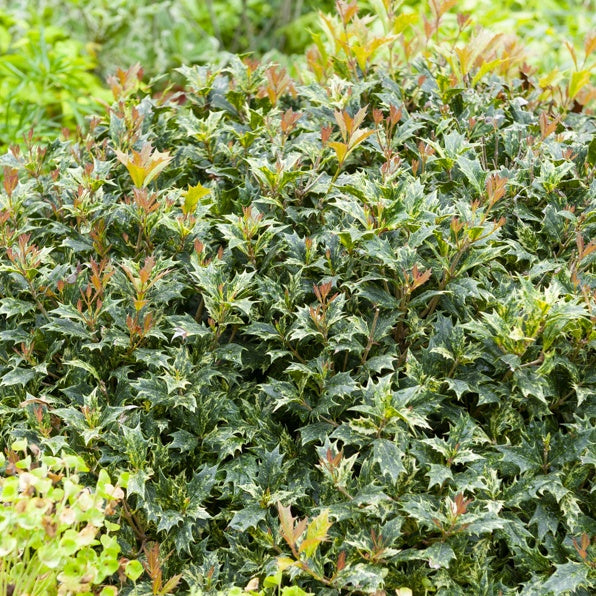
<point x="366" y="300"/>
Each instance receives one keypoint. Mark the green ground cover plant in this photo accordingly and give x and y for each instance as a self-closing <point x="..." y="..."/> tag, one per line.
<point x="337" y="332"/>
<point x="55" y="538"/>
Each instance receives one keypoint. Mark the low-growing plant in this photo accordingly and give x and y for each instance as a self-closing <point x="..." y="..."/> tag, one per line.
<point x="55" y="537"/>
<point x="339" y="332"/>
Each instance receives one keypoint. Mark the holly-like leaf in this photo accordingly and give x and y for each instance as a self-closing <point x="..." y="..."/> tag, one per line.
<point x="439" y="555"/>
<point x="248" y="518"/>
<point x="568" y="577"/>
<point x="389" y="458"/>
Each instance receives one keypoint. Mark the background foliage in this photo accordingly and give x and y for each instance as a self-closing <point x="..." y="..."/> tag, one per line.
<point x="56" y="55"/>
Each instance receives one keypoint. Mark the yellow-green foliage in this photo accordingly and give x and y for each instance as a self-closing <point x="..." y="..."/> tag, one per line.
<point x="54" y="534"/>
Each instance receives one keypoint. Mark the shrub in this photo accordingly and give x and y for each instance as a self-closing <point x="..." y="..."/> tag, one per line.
<point x="339" y="333"/>
<point x="51" y="526"/>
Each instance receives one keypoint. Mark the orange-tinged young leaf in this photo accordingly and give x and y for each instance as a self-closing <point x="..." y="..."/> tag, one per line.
<point x="315" y="534"/>
<point x="145" y="271"/>
<point x="589" y="249"/>
<point x="299" y="529"/>
<point x="289" y="119"/>
<point x="147" y="323"/>
<point x="440" y="7"/>
<point x="447" y="5"/>
<point x="286" y="521"/>
<point x="322" y="291"/>
<point x="123" y="82"/>
<point x="546" y="126"/>
<point x="344" y="121"/>
<point x="495" y="188"/>
<point x="133" y="280"/>
<point x="171" y="584"/>
<point x="589" y="44"/>
<point x="317" y="293"/>
<point x="153" y="564"/>
<point x="157" y="167"/>
<point x="460" y="504"/>
<point x="11" y="179"/>
<point x="395" y="114"/>
<point x="278" y="84"/>
<point x="419" y="279"/>
<point x="572" y="52"/>
<point x="463" y="20"/>
<point x="348" y="125"/>
<point x="346" y="10"/>
<point x="429" y="28"/>
<point x="359" y="137"/>
<point x="358" y="119"/>
<point x="582" y="550"/>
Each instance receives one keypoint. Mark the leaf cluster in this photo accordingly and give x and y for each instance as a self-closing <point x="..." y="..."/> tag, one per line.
<point x="339" y="334"/>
